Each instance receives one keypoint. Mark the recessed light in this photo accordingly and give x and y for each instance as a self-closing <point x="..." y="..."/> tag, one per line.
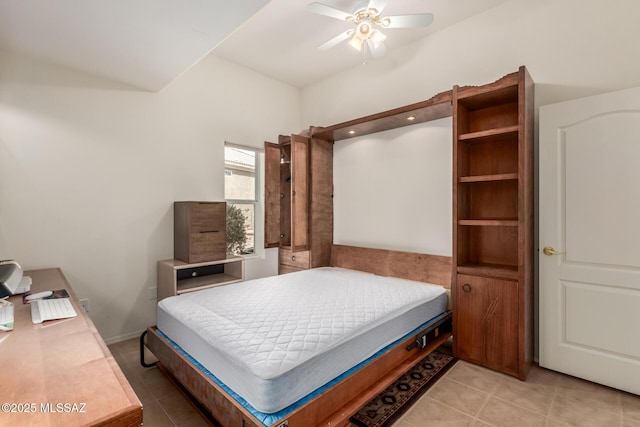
<point x="352" y="132"/>
<point x="411" y="118"/>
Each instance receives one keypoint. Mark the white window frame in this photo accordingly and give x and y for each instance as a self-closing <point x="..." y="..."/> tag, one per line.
<point x="258" y="202"/>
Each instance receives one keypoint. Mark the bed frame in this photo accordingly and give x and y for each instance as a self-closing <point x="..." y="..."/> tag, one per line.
<point x="334" y="406"/>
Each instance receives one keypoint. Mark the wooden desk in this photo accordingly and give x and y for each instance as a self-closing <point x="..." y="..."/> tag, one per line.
<point x="61" y="371"/>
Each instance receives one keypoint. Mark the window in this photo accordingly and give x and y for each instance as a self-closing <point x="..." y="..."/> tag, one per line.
<point x="242" y="177"/>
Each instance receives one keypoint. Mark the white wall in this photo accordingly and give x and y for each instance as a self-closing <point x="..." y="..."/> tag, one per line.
<point x="572" y="48"/>
<point x="89" y="170"/>
<point x="385" y="195"/>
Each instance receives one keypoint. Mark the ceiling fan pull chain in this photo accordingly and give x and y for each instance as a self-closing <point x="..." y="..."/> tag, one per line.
<point x="364" y="54"/>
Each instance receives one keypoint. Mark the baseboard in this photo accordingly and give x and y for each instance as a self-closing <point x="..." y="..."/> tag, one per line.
<point x="119" y="338"/>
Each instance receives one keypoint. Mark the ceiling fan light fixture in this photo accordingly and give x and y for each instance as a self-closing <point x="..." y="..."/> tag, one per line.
<point x="377" y="37"/>
<point x="362" y="33"/>
<point x="367" y="24"/>
<point x="364" y="29"/>
<point x="356" y="42"/>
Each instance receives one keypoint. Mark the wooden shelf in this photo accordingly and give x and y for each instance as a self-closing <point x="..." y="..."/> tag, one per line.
<point x="489" y="178"/>
<point x="490" y="135"/>
<point x="197" y="283"/>
<point x="495" y="222"/>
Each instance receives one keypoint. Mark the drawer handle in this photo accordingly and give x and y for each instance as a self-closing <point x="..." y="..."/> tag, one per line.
<point x="293" y="257"/>
<point x="466" y="287"/>
<point x="210" y="231"/>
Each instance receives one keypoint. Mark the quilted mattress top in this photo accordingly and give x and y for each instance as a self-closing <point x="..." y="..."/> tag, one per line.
<point x="270" y="326"/>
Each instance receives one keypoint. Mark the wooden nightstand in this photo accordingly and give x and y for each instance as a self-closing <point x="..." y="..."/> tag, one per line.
<point x="176" y="277"/>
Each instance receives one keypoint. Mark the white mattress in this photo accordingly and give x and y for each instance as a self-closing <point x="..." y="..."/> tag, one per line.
<point x="277" y="339"/>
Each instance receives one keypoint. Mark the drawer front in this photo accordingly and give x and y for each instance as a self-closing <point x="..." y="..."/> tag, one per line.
<point x="284" y="269"/>
<point x="207" y="217"/>
<point x="207" y="247"/>
<point x="294" y="259"/>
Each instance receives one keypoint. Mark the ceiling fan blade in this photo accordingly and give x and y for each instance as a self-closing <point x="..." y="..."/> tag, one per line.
<point x="323" y="9"/>
<point x="377" y="5"/>
<point x="409" y="21"/>
<point x="336" y="40"/>
<point x="376" y="52"/>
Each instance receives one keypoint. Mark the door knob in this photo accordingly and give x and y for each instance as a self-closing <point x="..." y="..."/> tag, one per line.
<point x="548" y="250"/>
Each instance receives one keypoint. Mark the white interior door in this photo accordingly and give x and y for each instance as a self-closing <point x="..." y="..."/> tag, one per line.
<point x="590" y="213"/>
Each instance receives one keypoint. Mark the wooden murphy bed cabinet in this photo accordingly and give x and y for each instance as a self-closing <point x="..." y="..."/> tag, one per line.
<point x="492" y="280"/>
<point x="493" y="223"/>
<point x="299" y="201"/>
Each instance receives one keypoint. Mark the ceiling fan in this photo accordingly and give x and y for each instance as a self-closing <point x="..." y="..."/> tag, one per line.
<point x="368" y="22"/>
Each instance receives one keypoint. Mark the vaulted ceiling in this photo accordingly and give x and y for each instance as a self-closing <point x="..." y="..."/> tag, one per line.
<point x="148" y="43"/>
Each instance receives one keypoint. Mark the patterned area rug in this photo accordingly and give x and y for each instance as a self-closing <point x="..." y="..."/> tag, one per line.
<point x="388" y="406"/>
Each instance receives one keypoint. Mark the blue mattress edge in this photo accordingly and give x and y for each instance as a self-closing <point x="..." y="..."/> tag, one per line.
<point x="268" y="419"/>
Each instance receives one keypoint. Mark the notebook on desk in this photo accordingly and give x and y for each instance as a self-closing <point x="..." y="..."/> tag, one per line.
<point x="51" y="309"/>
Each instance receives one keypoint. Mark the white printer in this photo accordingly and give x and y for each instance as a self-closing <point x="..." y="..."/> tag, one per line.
<point x="11" y="279"/>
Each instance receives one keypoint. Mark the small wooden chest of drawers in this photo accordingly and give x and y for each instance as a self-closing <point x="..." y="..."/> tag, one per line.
<point x="199" y="231"/>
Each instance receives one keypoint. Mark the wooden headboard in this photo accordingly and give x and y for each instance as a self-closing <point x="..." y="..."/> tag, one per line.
<point x="434" y="269"/>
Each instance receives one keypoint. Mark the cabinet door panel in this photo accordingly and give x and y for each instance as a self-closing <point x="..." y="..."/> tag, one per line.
<point x="271" y="195"/>
<point x="299" y="193"/>
<point x="486" y="322"/>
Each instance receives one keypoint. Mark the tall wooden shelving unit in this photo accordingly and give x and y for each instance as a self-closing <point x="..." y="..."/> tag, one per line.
<point x="287" y="179"/>
<point x="299" y="201"/>
<point x="493" y="223"/>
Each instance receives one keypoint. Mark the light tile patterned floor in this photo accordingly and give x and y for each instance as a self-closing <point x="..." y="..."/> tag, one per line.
<point x="467" y="395"/>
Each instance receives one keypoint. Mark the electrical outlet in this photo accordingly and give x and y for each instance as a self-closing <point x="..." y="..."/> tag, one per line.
<point x="85" y="304"/>
<point x="153" y="293"/>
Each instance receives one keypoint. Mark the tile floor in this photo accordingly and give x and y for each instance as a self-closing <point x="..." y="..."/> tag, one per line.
<point x="467" y="395"/>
